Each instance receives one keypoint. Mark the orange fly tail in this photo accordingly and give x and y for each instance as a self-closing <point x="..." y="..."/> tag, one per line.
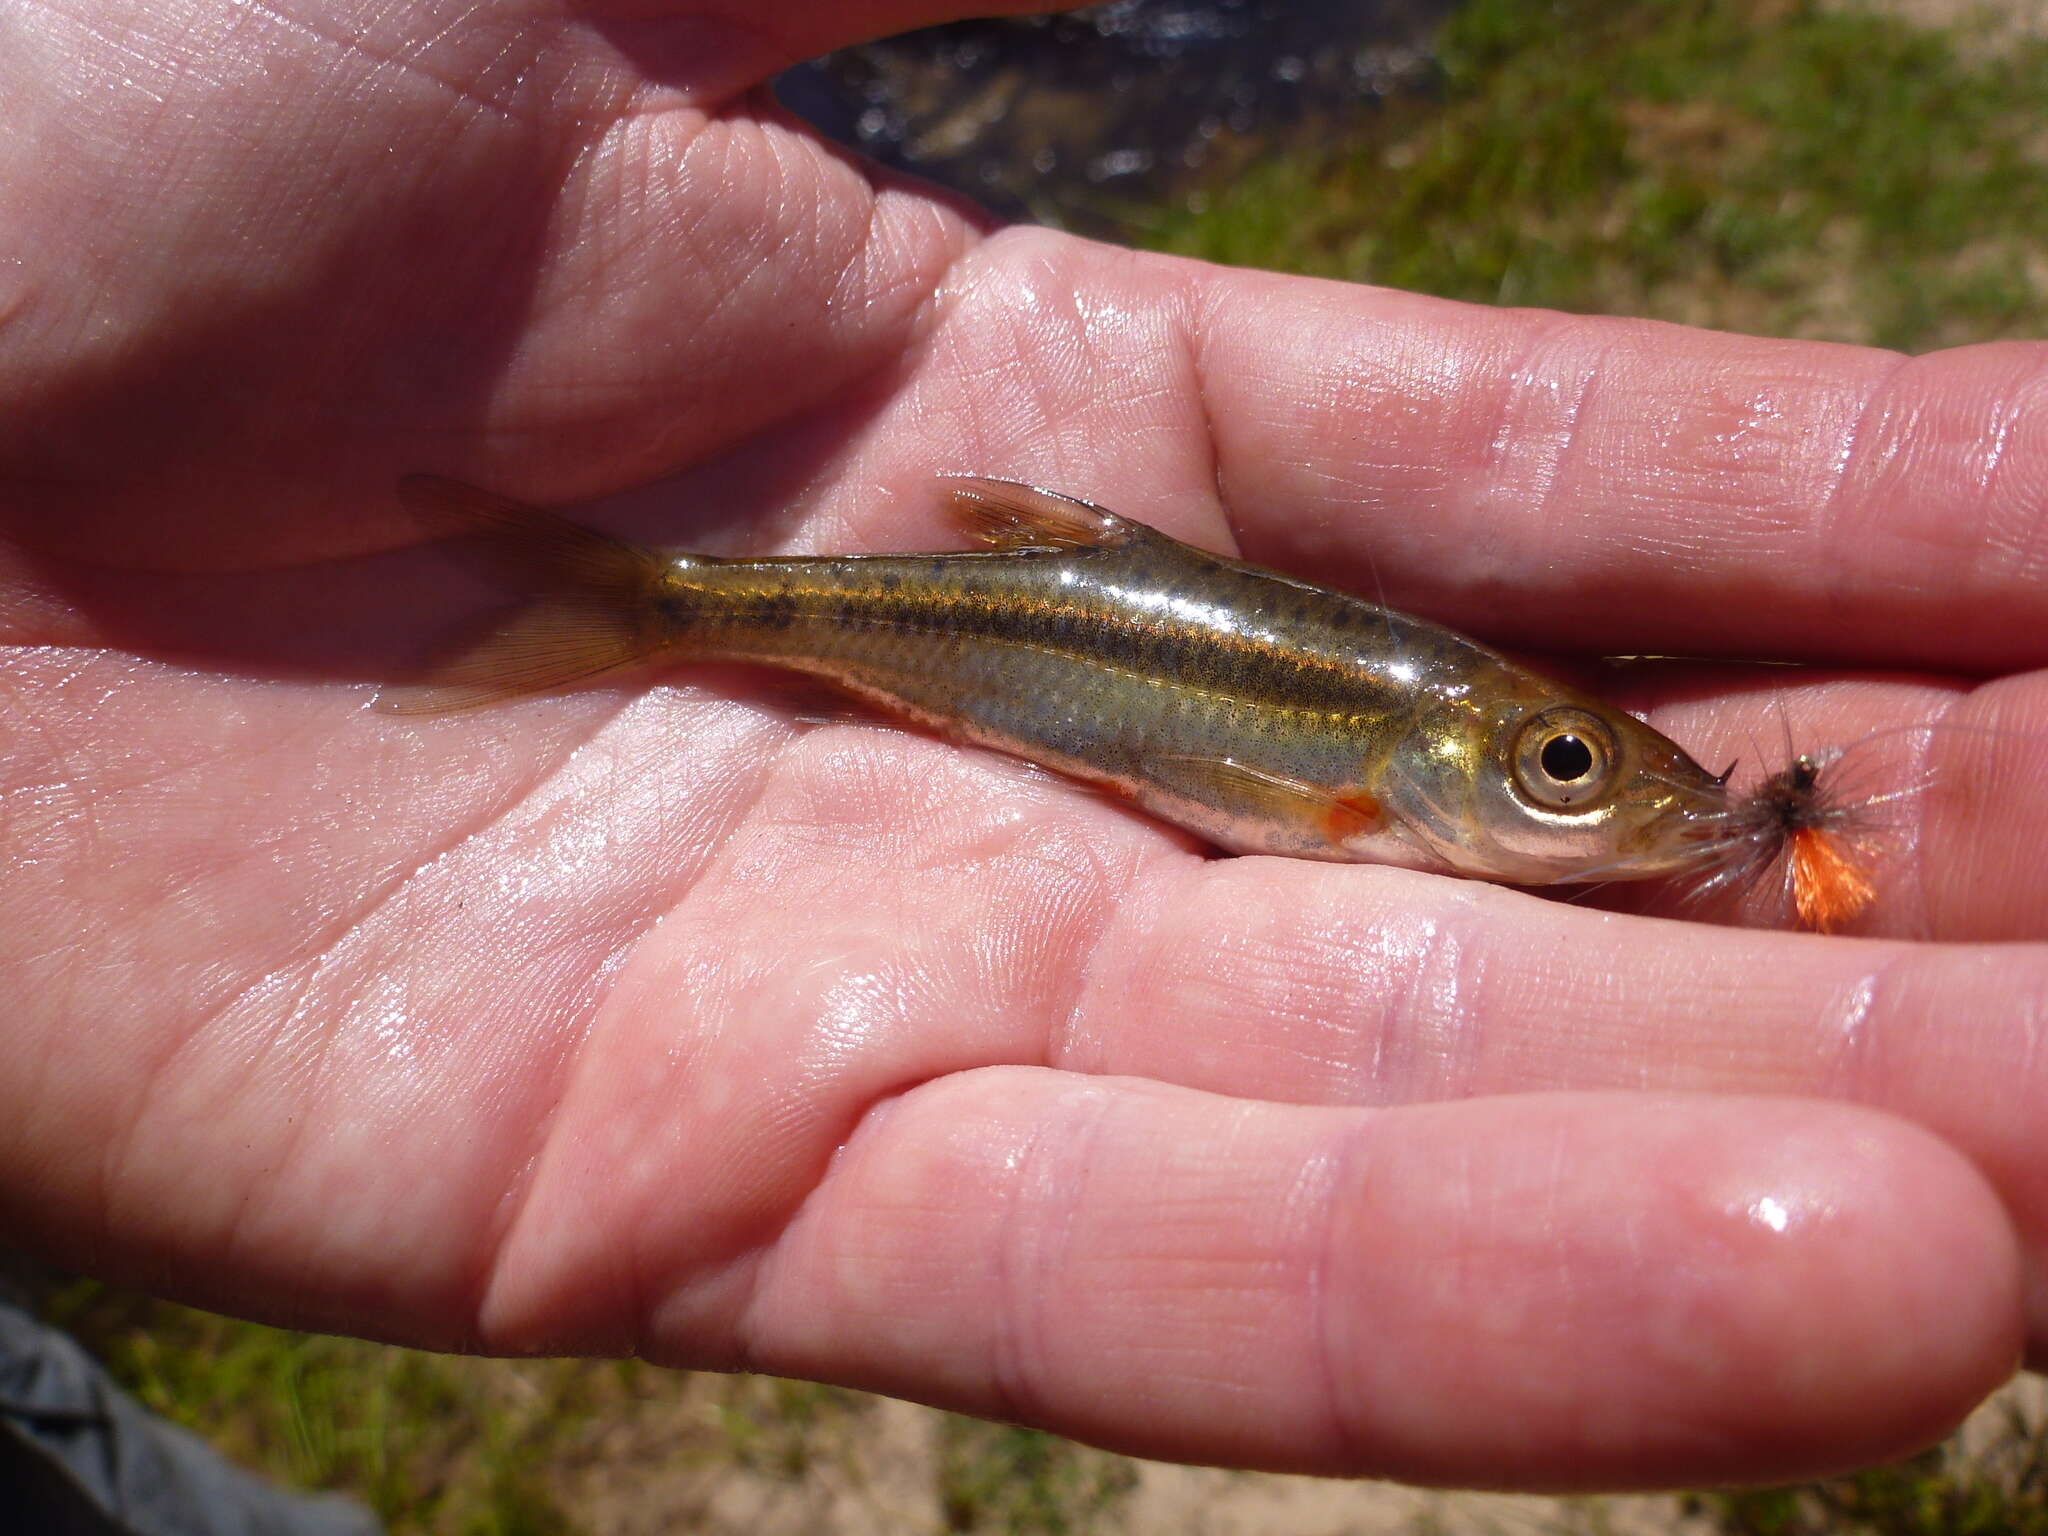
<point x="1829" y="887"/>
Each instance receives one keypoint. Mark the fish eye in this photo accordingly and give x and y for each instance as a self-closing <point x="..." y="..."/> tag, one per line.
<point x="1564" y="759"/>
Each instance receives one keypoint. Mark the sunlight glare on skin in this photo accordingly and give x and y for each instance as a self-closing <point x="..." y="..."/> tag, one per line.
<point x="1425" y="1038"/>
<point x="852" y="1013"/>
<point x="1784" y="1209"/>
<point x="389" y="1023"/>
<point x="1850" y="1026"/>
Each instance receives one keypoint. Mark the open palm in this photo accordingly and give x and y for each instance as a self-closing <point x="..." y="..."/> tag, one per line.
<point x="651" y="1020"/>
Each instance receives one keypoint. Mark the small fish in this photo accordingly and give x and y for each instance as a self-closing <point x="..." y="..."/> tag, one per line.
<point x="1265" y="714"/>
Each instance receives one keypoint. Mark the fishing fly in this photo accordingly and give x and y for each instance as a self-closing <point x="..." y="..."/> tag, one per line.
<point x="1805" y="835"/>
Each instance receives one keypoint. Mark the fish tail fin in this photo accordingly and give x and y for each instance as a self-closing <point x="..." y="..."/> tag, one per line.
<point x="600" y="603"/>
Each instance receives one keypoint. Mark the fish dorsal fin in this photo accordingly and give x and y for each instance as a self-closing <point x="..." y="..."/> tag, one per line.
<point x="1008" y="515"/>
<point x="1337" y="814"/>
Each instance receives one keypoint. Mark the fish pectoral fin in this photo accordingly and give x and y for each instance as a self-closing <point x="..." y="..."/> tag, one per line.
<point x="1009" y="515"/>
<point x="1337" y="813"/>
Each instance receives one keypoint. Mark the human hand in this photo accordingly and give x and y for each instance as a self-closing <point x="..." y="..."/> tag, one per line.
<point x="651" y="1021"/>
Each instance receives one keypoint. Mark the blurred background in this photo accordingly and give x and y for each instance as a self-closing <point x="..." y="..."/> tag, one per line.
<point x="1862" y="170"/>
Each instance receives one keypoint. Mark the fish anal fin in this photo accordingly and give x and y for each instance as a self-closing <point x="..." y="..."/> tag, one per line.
<point x="1006" y="514"/>
<point x="1337" y="814"/>
<point x="563" y="638"/>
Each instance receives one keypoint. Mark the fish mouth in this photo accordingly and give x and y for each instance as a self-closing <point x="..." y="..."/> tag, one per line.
<point x="1713" y="839"/>
<point x="1698" y="827"/>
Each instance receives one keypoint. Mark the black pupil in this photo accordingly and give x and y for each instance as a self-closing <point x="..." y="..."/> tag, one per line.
<point x="1566" y="758"/>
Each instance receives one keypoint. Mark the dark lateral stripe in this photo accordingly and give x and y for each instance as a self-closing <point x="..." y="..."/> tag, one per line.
<point x="1082" y="621"/>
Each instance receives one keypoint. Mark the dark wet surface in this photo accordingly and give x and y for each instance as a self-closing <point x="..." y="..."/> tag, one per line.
<point x="1086" y="120"/>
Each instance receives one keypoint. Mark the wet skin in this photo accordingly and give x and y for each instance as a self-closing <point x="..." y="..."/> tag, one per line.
<point x="649" y="1019"/>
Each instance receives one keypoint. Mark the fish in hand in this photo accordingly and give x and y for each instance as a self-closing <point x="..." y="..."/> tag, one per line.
<point x="1264" y="713"/>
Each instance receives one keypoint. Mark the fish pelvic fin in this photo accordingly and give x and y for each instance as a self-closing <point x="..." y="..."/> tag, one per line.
<point x="600" y="604"/>
<point x="1334" y="814"/>
<point x="1009" y="515"/>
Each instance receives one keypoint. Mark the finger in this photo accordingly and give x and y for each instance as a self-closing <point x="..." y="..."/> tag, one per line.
<point x="1550" y="481"/>
<point x="1576" y="482"/>
<point x="1585" y="1291"/>
<point x="1352" y="986"/>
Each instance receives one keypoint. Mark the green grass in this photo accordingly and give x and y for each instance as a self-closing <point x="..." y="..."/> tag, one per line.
<point x="430" y="1443"/>
<point x="444" y="1444"/>
<point x="1772" y="167"/>
<point x="998" y="1477"/>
